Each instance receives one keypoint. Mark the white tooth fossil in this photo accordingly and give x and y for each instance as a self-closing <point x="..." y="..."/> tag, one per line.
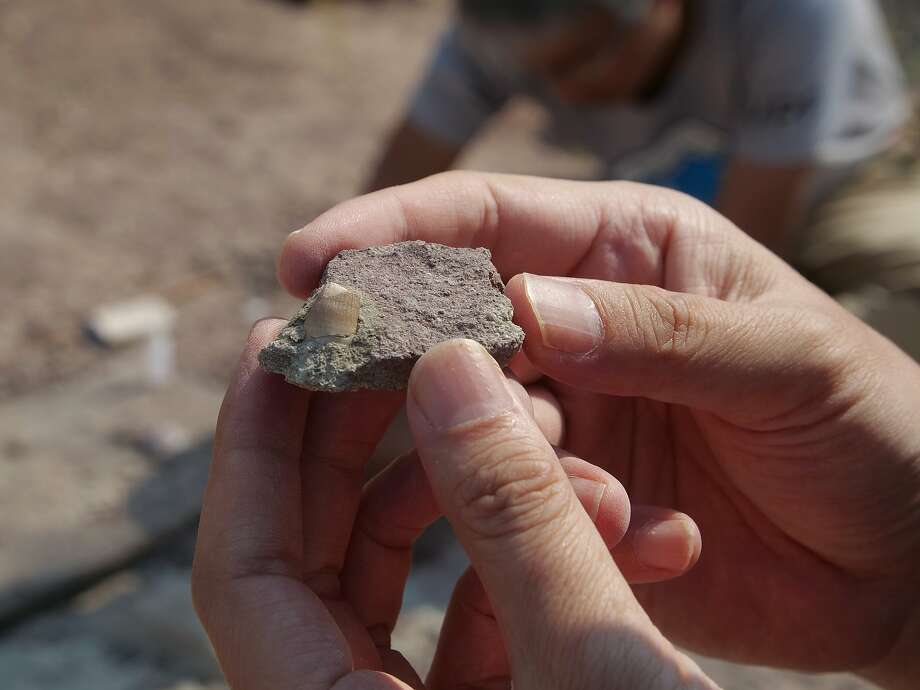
<point x="334" y="313"/>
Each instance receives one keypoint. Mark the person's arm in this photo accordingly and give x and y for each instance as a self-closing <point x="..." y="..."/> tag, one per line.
<point x="795" y="104"/>
<point x="457" y="96"/>
<point x="411" y="154"/>
<point x="766" y="201"/>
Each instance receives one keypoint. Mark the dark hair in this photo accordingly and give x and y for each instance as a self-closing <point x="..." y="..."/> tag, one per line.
<point x="519" y="11"/>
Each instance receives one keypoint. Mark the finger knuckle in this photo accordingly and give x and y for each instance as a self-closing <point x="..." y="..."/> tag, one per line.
<point x="511" y="487"/>
<point x="668" y="325"/>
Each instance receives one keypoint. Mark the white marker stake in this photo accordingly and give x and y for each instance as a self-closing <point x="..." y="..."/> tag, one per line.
<point x="161" y="358"/>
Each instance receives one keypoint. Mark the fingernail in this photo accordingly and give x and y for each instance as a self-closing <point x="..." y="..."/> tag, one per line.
<point x="665" y="545"/>
<point x="590" y="493"/>
<point x="457" y="383"/>
<point x="567" y="317"/>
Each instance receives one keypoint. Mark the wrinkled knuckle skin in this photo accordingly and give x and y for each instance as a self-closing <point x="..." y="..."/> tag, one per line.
<point x="510" y="488"/>
<point x="669" y="326"/>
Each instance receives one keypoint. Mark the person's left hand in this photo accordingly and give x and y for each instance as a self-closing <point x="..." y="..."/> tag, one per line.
<point x="300" y="569"/>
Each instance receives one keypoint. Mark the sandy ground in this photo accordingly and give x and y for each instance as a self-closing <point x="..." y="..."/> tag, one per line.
<point x="168" y="147"/>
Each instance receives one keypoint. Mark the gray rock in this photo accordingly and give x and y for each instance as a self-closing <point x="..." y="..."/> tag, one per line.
<point x="377" y="310"/>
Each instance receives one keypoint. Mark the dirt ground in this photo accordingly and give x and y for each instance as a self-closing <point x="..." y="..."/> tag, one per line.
<point x="168" y="147"/>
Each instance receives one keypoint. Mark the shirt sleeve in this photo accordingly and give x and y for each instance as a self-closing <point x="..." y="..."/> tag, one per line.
<point x="818" y="82"/>
<point x="456" y="96"/>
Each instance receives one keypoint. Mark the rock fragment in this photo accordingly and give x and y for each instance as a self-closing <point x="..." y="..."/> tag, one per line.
<point x="125" y="322"/>
<point x="377" y="310"/>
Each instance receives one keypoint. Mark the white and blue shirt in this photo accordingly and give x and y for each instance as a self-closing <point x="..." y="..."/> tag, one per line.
<point x="770" y="81"/>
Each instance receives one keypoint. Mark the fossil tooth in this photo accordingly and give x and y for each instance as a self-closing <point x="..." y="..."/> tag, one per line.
<point x="334" y="313"/>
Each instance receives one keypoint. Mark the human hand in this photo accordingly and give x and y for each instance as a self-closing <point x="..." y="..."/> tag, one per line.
<point x="299" y="574"/>
<point x="719" y="383"/>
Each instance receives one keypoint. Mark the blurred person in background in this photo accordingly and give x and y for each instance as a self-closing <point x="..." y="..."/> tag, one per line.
<point x="790" y="116"/>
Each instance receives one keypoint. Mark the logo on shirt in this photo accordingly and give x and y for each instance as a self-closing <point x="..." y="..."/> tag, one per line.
<point x="782" y="112"/>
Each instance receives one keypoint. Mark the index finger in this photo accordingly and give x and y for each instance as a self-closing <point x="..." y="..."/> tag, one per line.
<point x="612" y="230"/>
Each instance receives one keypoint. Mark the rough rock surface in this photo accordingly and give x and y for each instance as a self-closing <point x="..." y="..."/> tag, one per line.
<point x="412" y="296"/>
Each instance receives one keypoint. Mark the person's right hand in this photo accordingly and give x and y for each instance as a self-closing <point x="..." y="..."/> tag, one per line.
<point x="708" y="377"/>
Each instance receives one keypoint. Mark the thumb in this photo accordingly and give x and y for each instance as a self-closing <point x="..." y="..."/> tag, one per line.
<point x="640" y="340"/>
<point x="553" y="585"/>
